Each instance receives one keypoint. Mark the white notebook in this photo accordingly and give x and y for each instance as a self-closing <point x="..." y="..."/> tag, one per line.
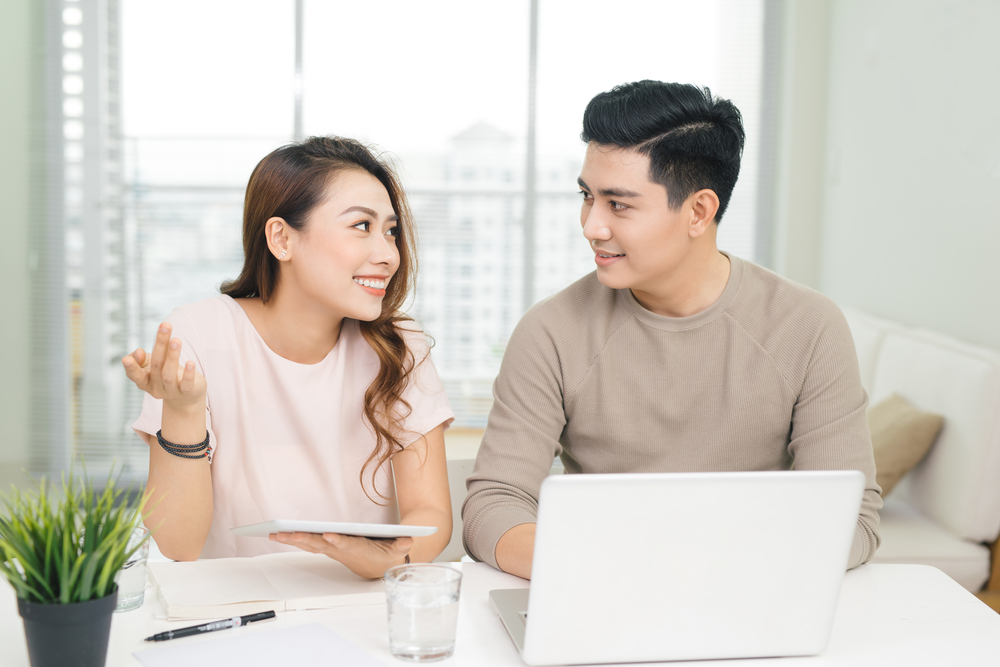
<point x="226" y="587"/>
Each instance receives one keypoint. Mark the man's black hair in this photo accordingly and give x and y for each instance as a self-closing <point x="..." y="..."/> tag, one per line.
<point x="693" y="141"/>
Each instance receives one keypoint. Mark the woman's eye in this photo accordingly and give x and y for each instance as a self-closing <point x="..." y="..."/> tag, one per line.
<point x="363" y="225"/>
<point x="393" y="232"/>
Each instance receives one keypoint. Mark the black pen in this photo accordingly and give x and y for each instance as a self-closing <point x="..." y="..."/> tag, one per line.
<point x="234" y="622"/>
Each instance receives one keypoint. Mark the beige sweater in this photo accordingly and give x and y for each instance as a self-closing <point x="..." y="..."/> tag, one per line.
<point x="764" y="379"/>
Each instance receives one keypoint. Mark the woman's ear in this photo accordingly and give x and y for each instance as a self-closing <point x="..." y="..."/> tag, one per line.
<point x="704" y="205"/>
<point x="276" y="233"/>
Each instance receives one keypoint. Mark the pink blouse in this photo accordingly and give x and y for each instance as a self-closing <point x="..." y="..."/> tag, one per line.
<point x="288" y="439"/>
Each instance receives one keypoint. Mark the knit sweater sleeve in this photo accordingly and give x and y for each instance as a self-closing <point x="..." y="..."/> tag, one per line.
<point x="829" y="428"/>
<point x="521" y="440"/>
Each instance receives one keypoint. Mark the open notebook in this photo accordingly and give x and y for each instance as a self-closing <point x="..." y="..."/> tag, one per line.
<point x="226" y="587"/>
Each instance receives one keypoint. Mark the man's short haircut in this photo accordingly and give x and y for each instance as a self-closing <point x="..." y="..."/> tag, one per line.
<point x="693" y="141"/>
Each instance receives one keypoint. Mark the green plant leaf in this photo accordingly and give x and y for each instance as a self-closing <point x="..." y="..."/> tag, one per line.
<point x="86" y="585"/>
<point x="66" y="546"/>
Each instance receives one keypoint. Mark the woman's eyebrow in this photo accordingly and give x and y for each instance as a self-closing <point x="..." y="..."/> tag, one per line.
<point x="368" y="211"/>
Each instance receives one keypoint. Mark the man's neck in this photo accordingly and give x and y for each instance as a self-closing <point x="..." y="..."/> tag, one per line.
<point x="692" y="288"/>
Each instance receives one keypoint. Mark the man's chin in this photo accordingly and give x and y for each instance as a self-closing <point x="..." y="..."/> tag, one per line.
<point x="611" y="281"/>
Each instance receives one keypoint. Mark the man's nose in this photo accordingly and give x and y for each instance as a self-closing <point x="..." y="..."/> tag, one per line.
<point x="594" y="227"/>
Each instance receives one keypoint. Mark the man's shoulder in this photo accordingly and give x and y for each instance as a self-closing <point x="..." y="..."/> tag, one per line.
<point x="584" y="304"/>
<point x="778" y="312"/>
<point x="771" y="299"/>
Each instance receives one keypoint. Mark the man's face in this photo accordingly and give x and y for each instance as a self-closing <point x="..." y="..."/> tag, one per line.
<point x="638" y="242"/>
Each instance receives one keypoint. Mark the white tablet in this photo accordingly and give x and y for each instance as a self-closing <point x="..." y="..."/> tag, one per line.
<point x="383" y="530"/>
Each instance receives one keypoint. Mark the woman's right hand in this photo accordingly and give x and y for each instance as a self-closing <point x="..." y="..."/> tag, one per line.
<point x="159" y="374"/>
<point x="181" y="524"/>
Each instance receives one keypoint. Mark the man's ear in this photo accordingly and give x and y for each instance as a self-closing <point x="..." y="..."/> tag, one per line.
<point x="704" y="205"/>
<point x="276" y="233"/>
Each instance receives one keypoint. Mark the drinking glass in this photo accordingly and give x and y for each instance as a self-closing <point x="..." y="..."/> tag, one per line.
<point x="131" y="578"/>
<point x="423" y="610"/>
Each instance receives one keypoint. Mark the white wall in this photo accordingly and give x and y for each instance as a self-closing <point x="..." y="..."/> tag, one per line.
<point x="911" y="218"/>
<point x="800" y="138"/>
<point x="16" y="30"/>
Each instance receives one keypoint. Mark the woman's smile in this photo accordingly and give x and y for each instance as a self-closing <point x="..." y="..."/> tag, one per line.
<point x="374" y="285"/>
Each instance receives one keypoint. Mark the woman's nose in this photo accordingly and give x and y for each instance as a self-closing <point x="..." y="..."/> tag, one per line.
<point x="385" y="251"/>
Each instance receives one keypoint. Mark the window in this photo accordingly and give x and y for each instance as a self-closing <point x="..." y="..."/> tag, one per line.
<point x="157" y="142"/>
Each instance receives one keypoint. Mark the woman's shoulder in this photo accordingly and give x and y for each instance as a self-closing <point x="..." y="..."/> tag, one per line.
<point x="208" y="317"/>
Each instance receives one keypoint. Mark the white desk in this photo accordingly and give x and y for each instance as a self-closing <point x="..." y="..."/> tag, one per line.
<point x="887" y="615"/>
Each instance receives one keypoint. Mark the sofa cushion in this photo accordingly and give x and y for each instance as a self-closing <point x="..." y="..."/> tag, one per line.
<point x="901" y="436"/>
<point x="956" y="484"/>
<point x="908" y="537"/>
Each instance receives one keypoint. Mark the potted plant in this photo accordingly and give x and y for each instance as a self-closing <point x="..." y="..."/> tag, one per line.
<point x="60" y="549"/>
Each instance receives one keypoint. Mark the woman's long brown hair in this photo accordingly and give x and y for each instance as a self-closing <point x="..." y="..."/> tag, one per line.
<point x="289" y="183"/>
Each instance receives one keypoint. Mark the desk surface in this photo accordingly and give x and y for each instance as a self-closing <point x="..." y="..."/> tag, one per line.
<point x="887" y="615"/>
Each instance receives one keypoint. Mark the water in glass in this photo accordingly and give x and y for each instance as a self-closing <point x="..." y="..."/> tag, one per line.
<point x="131" y="578"/>
<point x="423" y="612"/>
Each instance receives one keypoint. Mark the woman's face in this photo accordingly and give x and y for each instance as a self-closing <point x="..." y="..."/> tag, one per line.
<point x="346" y="254"/>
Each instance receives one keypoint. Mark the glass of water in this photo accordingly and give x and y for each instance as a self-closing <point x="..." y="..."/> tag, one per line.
<point x="131" y="578"/>
<point x="423" y="610"/>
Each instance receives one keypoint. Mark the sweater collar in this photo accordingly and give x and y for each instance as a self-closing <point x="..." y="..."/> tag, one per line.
<point x="698" y="319"/>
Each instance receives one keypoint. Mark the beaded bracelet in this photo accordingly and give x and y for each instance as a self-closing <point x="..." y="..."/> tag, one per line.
<point x="184" y="451"/>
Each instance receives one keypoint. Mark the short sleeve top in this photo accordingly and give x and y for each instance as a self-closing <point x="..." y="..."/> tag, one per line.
<point x="289" y="440"/>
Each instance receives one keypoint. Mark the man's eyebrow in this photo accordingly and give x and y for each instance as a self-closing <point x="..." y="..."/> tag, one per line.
<point x="368" y="211"/>
<point x="618" y="192"/>
<point x="610" y="192"/>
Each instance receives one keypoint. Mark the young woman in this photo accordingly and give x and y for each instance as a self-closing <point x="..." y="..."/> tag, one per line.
<point x="302" y="392"/>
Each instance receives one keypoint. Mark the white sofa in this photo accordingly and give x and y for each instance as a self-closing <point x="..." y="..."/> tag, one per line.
<point x="946" y="511"/>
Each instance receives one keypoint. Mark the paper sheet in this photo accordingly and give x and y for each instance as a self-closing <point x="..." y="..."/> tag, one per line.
<point x="225" y="587"/>
<point x="312" y="644"/>
<point x="304" y="575"/>
<point x="215" y="581"/>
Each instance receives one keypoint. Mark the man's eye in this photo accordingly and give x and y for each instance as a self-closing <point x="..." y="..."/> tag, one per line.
<point x="615" y="206"/>
<point x="364" y="225"/>
<point x="586" y="195"/>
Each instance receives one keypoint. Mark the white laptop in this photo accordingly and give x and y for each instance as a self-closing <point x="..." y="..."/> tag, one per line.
<point x="684" y="566"/>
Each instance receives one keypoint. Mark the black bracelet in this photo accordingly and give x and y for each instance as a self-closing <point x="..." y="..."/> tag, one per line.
<point x="186" y="456"/>
<point x="184" y="451"/>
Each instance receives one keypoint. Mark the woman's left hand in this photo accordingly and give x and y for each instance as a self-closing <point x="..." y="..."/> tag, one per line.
<point x="363" y="556"/>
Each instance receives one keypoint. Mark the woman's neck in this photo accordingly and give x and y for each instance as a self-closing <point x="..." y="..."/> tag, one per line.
<point x="293" y="327"/>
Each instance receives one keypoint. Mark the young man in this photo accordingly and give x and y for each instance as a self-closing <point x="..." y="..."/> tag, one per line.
<point x="672" y="356"/>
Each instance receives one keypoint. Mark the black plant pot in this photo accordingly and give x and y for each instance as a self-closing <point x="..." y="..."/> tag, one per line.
<point x="68" y="634"/>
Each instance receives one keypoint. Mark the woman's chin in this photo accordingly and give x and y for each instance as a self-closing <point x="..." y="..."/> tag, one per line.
<point x="365" y="314"/>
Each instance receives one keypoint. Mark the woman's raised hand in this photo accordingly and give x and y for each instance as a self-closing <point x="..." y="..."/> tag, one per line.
<point x="159" y="374"/>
